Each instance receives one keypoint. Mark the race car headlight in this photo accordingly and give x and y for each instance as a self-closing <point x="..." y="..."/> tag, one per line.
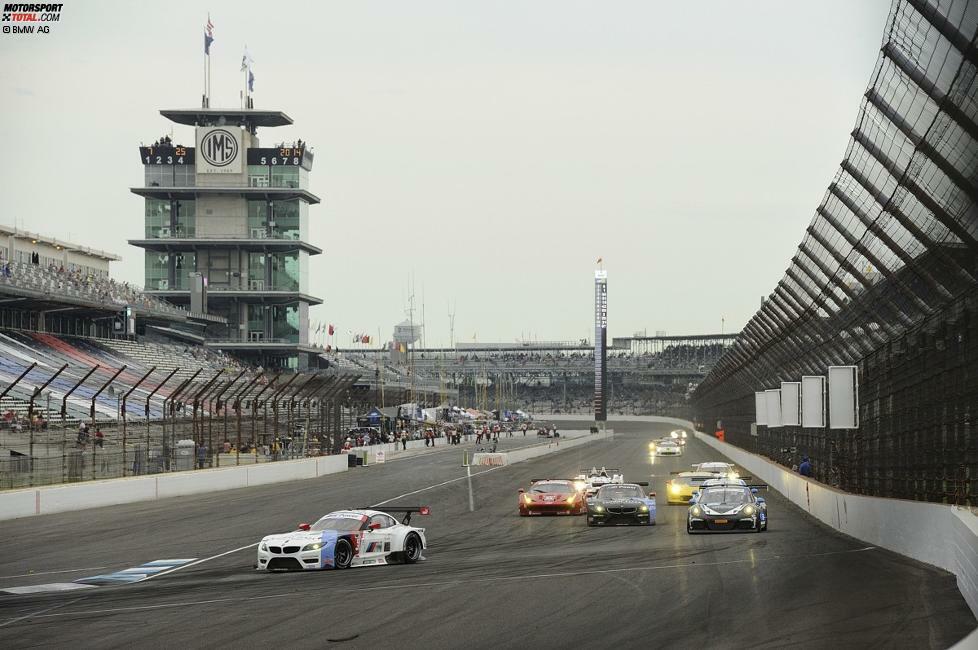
<point x="527" y="498"/>
<point x="697" y="511"/>
<point x="683" y="434"/>
<point x="674" y="488"/>
<point x="643" y="508"/>
<point x="674" y="434"/>
<point x="733" y="476"/>
<point x="572" y="498"/>
<point x="579" y="485"/>
<point x="315" y="546"/>
<point x="598" y="507"/>
<point x="651" y="446"/>
<point x="264" y="547"/>
<point x="749" y="510"/>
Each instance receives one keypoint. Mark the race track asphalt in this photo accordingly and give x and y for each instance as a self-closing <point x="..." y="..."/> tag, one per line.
<point x="490" y="577"/>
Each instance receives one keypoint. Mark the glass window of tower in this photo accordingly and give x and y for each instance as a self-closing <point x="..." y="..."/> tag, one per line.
<point x="256" y="271"/>
<point x="285" y="271"/>
<point x="256" y="322"/>
<point x="183" y="265"/>
<point x="157" y="218"/>
<point x="186" y="218"/>
<point x="157" y="271"/>
<point x="258" y="175"/>
<point x="258" y="219"/>
<point x="285" y="322"/>
<point x="285" y="176"/>
<point x="286" y="218"/>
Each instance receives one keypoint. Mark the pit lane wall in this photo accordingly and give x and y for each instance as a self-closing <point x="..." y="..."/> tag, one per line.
<point x="567" y="440"/>
<point x="93" y="494"/>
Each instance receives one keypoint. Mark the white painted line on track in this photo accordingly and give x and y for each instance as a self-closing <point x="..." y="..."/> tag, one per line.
<point x="201" y="561"/>
<point x="49" y="587"/>
<point x="38" y="613"/>
<point x="44" y="573"/>
<point x="466" y="581"/>
<point x="436" y="485"/>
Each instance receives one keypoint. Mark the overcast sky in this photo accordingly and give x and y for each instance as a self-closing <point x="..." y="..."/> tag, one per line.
<point x="490" y="151"/>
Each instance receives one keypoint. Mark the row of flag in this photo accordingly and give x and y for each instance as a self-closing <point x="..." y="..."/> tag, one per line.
<point x="246" y="60"/>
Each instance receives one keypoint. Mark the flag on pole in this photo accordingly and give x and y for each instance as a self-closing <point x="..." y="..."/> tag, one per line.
<point x="251" y="81"/>
<point x="599" y="260"/>
<point x="244" y="62"/>
<point x="208" y="35"/>
<point x="330" y="329"/>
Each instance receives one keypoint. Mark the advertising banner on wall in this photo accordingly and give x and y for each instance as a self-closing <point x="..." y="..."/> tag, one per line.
<point x="219" y="150"/>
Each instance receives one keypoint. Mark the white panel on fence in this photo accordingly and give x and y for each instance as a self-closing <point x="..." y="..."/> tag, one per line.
<point x="760" y="407"/>
<point x="773" y="407"/>
<point x="813" y="402"/>
<point x="790" y="403"/>
<point x="843" y="397"/>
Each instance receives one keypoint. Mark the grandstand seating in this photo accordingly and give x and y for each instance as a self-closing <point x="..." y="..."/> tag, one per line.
<point x="19" y="349"/>
<point x="89" y="288"/>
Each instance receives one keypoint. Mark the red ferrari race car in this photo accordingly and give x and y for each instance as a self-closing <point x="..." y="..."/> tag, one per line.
<point x="552" y="496"/>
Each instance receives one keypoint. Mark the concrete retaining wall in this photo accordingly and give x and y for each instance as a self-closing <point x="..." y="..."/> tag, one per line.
<point x="94" y="494"/>
<point x="567" y="440"/>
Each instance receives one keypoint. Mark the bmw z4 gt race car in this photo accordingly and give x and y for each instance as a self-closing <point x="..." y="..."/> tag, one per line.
<point x="621" y="504"/>
<point x="345" y="538"/>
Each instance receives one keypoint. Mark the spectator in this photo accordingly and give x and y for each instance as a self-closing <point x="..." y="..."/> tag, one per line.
<point x="99" y="438"/>
<point x="201" y="456"/>
<point x="805" y="469"/>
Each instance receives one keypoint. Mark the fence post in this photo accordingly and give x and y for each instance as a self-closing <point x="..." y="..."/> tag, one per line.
<point x="92" y="413"/>
<point x="125" y="398"/>
<point x="30" y="417"/>
<point x="163" y="425"/>
<point x="219" y="406"/>
<point x="254" y="414"/>
<point x="64" y="424"/>
<point x="237" y="413"/>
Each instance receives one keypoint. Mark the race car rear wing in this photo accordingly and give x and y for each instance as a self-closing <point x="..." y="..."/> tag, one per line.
<point x="407" y="510"/>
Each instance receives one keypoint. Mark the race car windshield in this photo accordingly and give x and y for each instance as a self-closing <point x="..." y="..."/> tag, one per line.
<point x="724" y="497"/>
<point x="337" y="523"/>
<point x="552" y="488"/>
<point x="620" y="492"/>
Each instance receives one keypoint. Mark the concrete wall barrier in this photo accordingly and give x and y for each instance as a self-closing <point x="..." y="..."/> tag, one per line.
<point x="94" y="494"/>
<point x="941" y="535"/>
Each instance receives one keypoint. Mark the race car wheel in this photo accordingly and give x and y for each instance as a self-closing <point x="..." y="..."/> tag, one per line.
<point x="689" y="527"/>
<point x="412" y="548"/>
<point x="342" y="554"/>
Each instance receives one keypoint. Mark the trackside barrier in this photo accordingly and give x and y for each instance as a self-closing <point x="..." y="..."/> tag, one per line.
<point x="93" y="494"/>
<point x="942" y="535"/>
<point x="572" y="439"/>
<point x="392" y="449"/>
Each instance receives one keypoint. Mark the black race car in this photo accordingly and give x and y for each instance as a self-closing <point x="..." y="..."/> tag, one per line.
<point x="726" y="505"/>
<point x="621" y="504"/>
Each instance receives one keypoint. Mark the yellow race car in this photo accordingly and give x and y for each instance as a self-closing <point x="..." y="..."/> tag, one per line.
<point x="681" y="487"/>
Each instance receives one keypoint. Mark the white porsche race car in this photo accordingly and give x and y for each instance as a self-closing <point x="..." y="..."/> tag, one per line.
<point x="592" y="479"/>
<point x="346" y="538"/>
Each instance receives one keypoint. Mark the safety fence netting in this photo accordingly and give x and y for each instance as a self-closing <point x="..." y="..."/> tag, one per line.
<point x="884" y="279"/>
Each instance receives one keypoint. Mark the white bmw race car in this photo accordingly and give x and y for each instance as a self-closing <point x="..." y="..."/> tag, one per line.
<point x="346" y="538"/>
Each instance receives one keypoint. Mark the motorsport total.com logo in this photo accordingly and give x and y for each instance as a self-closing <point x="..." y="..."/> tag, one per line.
<point x="24" y="15"/>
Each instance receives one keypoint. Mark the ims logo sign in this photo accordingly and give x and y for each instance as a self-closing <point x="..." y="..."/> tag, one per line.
<point x="219" y="147"/>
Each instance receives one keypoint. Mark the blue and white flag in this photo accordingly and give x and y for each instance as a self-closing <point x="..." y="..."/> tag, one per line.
<point x="208" y="35"/>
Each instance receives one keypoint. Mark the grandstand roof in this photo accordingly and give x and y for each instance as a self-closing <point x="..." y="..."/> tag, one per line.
<point x="58" y="243"/>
